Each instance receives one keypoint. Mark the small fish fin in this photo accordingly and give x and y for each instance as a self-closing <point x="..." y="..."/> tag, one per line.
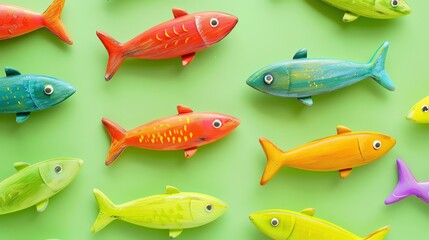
<point x="308" y="211"/>
<point x="380" y="234"/>
<point x="21" y="117"/>
<point x="11" y="71"/>
<point x="190" y="152"/>
<point x="378" y="72"/>
<point x="406" y="181"/>
<point x="182" y="109"/>
<point x="345" y="172"/>
<point x="115" y="51"/>
<point x="186" y="59"/>
<point x="302" y="53"/>
<point x="349" y="17"/>
<point x="20" y="165"/>
<point x="41" y="206"/>
<point x="117" y="135"/>
<point x="177" y="12"/>
<point x="170" y="189"/>
<point x="308" y="101"/>
<point x="52" y="20"/>
<point x="107" y="212"/>
<point x="175" y="232"/>
<point x="343" y="129"/>
<point x="274" y="159"/>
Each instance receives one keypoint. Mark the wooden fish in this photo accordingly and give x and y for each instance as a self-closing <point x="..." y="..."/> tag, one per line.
<point x="419" y="113"/>
<point x="185" y="131"/>
<point x="341" y="152"/>
<point x="182" y="36"/>
<point x="303" y="78"/>
<point x="279" y="224"/>
<point x="174" y="210"/>
<point x="35" y="184"/>
<point x="16" y="21"/>
<point x="23" y="94"/>
<point x="381" y="9"/>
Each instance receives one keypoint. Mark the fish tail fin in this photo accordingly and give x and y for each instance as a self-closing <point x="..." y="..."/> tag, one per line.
<point x="379" y="74"/>
<point x="106" y="213"/>
<point x="274" y="157"/>
<point x="406" y="181"/>
<point x="380" y="234"/>
<point x="52" y="20"/>
<point x="117" y="136"/>
<point x="114" y="49"/>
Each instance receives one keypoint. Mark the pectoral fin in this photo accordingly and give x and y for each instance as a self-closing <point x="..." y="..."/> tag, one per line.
<point x="20" y="165"/>
<point x="309" y="211"/>
<point x="345" y="172"/>
<point x="190" y="152"/>
<point x="41" y="206"/>
<point x="21" y="117"/>
<point x="308" y="101"/>
<point x="349" y="17"/>
<point x="175" y="232"/>
<point x="186" y="59"/>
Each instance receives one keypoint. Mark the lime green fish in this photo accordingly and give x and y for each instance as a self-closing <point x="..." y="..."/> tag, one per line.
<point x="419" y="113"/>
<point x="35" y="184"/>
<point x="173" y="210"/>
<point x="381" y="9"/>
<point x="289" y="225"/>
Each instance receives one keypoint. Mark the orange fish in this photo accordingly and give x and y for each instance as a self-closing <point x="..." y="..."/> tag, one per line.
<point x="185" y="131"/>
<point x="341" y="152"/>
<point x="16" y="21"/>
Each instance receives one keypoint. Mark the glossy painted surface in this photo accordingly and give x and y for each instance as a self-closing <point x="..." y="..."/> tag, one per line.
<point x="185" y="131"/>
<point x="23" y="94"/>
<point x="281" y="224"/>
<point x="419" y="113"/>
<point x="35" y="184"/>
<point x="408" y="186"/>
<point x="173" y="210"/>
<point x="381" y="9"/>
<point x="182" y="36"/>
<point x="302" y="78"/>
<point x="341" y="152"/>
<point x="16" y="21"/>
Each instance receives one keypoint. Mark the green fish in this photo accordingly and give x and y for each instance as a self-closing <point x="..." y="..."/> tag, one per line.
<point x="173" y="210"/>
<point x="35" y="184"/>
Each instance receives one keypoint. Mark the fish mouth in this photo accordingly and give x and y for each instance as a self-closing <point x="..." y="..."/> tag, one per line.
<point x="251" y="218"/>
<point x="410" y="115"/>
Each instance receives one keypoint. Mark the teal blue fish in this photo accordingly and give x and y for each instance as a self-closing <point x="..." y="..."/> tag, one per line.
<point x="23" y="94"/>
<point x="303" y="78"/>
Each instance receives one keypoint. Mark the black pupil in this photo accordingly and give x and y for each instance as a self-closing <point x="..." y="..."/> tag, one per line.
<point x="216" y="124"/>
<point x="274" y="222"/>
<point x="48" y="90"/>
<point x="425" y="108"/>
<point x="377" y="144"/>
<point x="209" y="207"/>
<point x="268" y="77"/>
<point x="395" y="2"/>
<point x="58" y="169"/>
<point x="214" y="22"/>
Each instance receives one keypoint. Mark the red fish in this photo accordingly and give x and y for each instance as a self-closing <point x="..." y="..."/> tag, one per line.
<point x="185" y="131"/>
<point x="182" y="36"/>
<point x="16" y="21"/>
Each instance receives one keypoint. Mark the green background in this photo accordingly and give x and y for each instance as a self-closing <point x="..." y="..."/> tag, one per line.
<point x="142" y="90"/>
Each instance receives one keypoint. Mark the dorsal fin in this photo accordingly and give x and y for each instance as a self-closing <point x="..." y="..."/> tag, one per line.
<point x="308" y="211"/>
<point x="177" y="12"/>
<point x="20" y="165"/>
<point x="11" y="71"/>
<point x="181" y="109"/>
<point x="302" y="53"/>
<point x="171" y="190"/>
<point x="343" y="129"/>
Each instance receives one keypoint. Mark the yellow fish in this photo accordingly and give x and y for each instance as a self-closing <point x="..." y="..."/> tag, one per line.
<point x="420" y="111"/>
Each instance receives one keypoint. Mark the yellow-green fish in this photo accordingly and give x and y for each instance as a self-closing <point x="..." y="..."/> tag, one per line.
<point x="420" y="111"/>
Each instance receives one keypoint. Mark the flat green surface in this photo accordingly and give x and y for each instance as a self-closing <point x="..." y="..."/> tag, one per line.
<point x="141" y="91"/>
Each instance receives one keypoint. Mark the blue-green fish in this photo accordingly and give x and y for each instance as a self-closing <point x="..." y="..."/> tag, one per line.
<point x="23" y="94"/>
<point x="302" y="78"/>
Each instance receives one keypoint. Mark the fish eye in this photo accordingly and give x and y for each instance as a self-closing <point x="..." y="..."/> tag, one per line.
<point x="58" y="169"/>
<point x="274" y="222"/>
<point x="48" y="89"/>
<point x="209" y="208"/>
<point x="376" y="144"/>
<point x="425" y="108"/>
<point x="395" y="3"/>
<point x="217" y="123"/>
<point x="214" y="22"/>
<point x="268" y="79"/>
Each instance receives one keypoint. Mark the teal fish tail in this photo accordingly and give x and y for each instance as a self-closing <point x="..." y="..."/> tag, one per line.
<point x="107" y="212"/>
<point x="378" y="72"/>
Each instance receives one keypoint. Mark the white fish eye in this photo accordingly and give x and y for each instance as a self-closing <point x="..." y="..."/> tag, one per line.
<point x="425" y="108"/>
<point x="268" y="79"/>
<point x="214" y="22"/>
<point x="217" y="123"/>
<point x="58" y="169"/>
<point x="395" y="3"/>
<point x="376" y="144"/>
<point x="209" y="208"/>
<point x="274" y="222"/>
<point x="48" y="89"/>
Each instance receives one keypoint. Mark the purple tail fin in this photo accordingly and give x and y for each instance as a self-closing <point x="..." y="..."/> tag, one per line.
<point x="406" y="184"/>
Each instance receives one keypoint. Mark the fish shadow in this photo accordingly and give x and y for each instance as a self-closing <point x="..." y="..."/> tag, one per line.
<point x="43" y="34"/>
